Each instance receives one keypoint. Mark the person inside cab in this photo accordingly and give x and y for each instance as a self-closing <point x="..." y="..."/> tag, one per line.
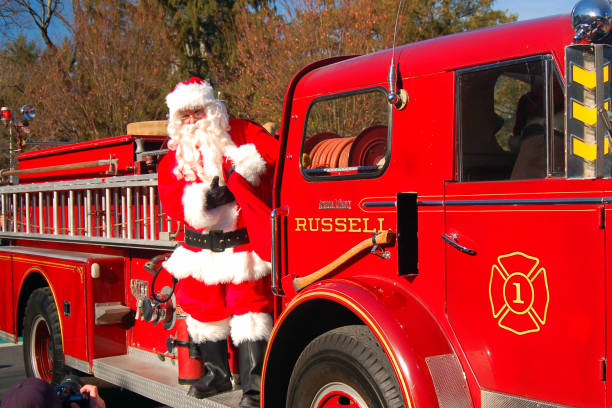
<point x="528" y="138"/>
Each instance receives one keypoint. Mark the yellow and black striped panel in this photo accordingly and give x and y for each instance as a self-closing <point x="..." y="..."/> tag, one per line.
<point x="586" y="68"/>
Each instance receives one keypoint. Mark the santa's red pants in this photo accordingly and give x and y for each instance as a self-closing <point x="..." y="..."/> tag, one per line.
<point x="210" y="303"/>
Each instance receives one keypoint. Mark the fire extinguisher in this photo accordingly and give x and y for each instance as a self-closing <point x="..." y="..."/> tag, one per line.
<point x="190" y="366"/>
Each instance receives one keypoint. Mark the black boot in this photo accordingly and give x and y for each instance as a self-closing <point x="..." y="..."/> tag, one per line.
<point x="251" y="363"/>
<point x="217" y="372"/>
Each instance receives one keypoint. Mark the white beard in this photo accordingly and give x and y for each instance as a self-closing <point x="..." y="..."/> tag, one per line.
<point x="200" y="148"/>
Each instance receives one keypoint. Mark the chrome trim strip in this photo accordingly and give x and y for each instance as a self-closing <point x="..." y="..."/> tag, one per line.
<point x="491" y="399"/>
<point x="528" y="201"/>
<point x="273" y="260"/>
<point x="430" y="203"/>
<point x="80" y="365"/>
<point x="8" y="337"/>
<point x="383" y="204"/>
<point x="340" y="169"/>
<point x="274" y="256"/>
<point x="536" y="201"/>
<point x="388" y="204"/>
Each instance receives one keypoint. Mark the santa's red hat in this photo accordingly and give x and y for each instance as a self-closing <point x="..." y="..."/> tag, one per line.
<point x="192" y="94"/>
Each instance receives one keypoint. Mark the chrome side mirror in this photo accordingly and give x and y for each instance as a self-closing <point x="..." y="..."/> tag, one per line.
<point x="28" y="112"/>
<point x="592" y="20"/>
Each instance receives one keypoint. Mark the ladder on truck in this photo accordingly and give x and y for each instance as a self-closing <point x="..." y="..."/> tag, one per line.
<point x="119" y="211"/>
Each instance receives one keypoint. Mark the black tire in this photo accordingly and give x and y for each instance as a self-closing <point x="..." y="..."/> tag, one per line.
<point x="43" y="351"/>
<point x="341" y="367"/>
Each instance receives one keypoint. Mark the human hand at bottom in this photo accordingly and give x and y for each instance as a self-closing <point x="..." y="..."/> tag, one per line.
<point x="91" y="391"/>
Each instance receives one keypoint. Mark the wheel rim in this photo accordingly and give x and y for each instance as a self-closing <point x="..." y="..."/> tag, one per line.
<point x="336" y="395"/>
<point x="41" y="350"/>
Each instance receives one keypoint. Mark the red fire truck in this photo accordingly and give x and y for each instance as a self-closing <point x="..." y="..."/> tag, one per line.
<point x="439" y="234"/>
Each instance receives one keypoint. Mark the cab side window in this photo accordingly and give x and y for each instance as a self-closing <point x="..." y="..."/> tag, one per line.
<point x="346" y="136"/>
<point x="503" y="131"/>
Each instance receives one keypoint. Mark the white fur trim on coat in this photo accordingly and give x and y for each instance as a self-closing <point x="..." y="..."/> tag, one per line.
<point x="220" y="218"/>
<point x="247" y="162"/>
<point x="193" y="204"/>
<point x="214" y="268"/>
<point x="207" y="331"/>
<point x="251" y="327"/>
<point x="254" y="268"/>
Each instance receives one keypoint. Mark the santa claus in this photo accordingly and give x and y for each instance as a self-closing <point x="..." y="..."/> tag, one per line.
<point x="216" y="179"/>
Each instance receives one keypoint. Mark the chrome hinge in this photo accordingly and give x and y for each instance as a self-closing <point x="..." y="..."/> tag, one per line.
<point x="603" y="368"/>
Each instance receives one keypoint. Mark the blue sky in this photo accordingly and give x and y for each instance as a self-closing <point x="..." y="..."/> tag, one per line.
<point x="528" y="9"/>
<point x="525" y="9"/>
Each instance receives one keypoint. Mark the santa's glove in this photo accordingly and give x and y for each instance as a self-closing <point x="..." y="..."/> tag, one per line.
<point x="217" y="195"/>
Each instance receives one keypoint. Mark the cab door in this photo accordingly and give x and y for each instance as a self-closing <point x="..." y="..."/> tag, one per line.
<point x="525" y="246"/>
<point x="337" y="154"/>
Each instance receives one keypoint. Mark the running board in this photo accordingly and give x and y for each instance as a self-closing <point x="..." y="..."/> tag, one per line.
<point x="156" y="380"/>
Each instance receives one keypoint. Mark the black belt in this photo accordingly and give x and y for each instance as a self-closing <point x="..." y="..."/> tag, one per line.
<point x="217" y="240"/>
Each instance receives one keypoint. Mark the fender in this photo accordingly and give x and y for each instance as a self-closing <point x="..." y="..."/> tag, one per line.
<point x="404" y="328"/>
<point x="34" y="278"/>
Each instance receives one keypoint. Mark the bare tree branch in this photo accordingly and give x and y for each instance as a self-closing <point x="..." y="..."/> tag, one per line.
<point x="14" y="13"/>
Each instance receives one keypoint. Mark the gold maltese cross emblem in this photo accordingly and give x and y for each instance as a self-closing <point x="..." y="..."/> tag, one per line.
<point x="518" y="291"/>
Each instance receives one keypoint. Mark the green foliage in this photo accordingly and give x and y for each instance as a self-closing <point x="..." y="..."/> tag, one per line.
<point x="200" y="30"/>
<point x="433" y="18"/>
<point x="271" y="47"/>
<point x="15" y="61"/>
<point x="124" y="56"/>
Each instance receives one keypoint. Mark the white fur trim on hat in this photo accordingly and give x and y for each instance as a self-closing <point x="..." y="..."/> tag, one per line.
<point x="220" y="218"/>
<point x="207" y="331"/>
<point x="213" y="268"/>
<point x="247" y="162"/>
<point x="251" y="327"/>
<point x="191" y="94"/>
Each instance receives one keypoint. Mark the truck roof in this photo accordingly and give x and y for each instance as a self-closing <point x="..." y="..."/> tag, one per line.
<point x="447" y="53"/>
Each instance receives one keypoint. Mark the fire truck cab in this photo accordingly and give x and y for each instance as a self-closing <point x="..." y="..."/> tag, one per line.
<point x="439" y="234"/>
<point x="494" y="291"/>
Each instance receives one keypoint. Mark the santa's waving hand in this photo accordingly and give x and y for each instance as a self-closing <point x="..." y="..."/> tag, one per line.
<point x="216" y="178"/>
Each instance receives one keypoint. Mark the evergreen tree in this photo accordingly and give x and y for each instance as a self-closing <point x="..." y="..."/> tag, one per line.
<point x="201" y="31"/>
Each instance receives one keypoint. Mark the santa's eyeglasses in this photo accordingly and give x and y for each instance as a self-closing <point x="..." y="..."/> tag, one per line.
<point x="195" y="114"/>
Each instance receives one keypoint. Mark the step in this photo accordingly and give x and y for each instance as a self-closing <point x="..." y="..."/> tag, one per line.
<point x="143" y="373"/>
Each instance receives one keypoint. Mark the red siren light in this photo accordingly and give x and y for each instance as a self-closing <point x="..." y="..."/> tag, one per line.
<point x="6" y="115"/>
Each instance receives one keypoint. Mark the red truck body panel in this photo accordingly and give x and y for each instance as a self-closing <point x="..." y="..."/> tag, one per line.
<point x="121" y="148"/>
